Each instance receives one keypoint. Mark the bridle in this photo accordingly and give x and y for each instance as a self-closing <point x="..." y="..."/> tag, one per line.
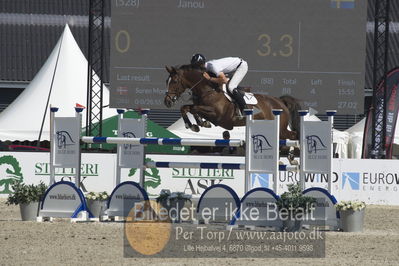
<point x="176" y="93"/>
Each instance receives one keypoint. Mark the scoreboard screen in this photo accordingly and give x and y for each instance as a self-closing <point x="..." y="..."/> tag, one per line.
<point x="313" y="50"/>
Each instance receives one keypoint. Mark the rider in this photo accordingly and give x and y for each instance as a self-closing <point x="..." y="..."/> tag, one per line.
<point x="221" y="67"/>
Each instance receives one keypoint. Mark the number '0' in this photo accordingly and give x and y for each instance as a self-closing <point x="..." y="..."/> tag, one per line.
<point x="118" y="45"/>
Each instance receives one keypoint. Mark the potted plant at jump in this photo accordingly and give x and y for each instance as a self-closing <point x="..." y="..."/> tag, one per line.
<point x="28" y="198"/>
<point x="351" y="215"/>
<point x="97" y="202"/>
<point x="293" y="207"/>
<point x="173" y="202"/>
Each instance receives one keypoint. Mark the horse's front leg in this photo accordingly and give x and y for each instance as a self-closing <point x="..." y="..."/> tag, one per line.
<point x="200" y="122"/>
<point x="184" y="110"/>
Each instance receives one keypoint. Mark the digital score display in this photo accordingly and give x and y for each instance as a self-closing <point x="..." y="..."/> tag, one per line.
<point x="313" y="50"/>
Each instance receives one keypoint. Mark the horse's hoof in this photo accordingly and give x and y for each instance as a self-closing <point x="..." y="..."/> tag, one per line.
<point x="195" y="128"/>
<point x="207" y="124"/>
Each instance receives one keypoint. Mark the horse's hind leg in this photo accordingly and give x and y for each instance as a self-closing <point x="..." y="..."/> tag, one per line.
<point x="284" y="132"/>
<point x="184" y="110"/>
<point x="288" y="134"/>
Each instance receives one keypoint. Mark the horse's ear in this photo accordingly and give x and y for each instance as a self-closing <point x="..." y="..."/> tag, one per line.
<point x="170" y="69"/>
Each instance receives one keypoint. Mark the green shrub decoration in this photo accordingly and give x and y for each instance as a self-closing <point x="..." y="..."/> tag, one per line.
<point x="166" y="195"/>
<point x="26" y="193"/>
<point x="294" y="199"/>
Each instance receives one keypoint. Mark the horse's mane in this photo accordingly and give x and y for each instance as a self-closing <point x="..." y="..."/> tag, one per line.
<point x="190" y="67"/>
<point x="199" y="69"/>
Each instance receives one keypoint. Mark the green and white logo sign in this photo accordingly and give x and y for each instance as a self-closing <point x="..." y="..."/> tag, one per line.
<point x="10" y="171"/>
<point x="152" y="177"/>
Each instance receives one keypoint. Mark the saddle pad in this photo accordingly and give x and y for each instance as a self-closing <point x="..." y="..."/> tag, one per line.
<point x="248" y="96"/>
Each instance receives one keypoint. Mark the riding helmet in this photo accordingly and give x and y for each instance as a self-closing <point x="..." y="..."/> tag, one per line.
<point x="198" y="59"/>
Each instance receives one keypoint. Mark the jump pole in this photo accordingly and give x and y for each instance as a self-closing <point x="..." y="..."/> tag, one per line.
<point x="252" y="163"/>
<point x="165" y="141"/>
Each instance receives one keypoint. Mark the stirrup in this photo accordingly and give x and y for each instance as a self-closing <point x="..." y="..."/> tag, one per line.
<point x="239" y="113"/>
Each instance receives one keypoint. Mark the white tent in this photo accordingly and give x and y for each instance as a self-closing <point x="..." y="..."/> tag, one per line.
<point x="356" y="139"/>
<point x="65" y="71"/>
<point x="340" y="138"/>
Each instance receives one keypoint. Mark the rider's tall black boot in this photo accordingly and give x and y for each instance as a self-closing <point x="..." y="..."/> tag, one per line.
<point x="239" y="98"/>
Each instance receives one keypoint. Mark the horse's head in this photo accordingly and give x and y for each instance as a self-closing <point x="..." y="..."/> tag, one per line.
<point x="174" y="86"/>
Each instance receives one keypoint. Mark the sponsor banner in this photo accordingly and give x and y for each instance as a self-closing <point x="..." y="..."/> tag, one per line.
<point x="66" y="141"/>
<point x="97" y="170"/>
<point x="98" y="173"/>
<point x="391" y="109"/>
<point x="317" y="151"/>
<point x="188" y="180"/>
<point x="264" y="148"/>
<point x="373" y="181"/>
<point x="368" y="135"/>
<point x="131" y="155"/>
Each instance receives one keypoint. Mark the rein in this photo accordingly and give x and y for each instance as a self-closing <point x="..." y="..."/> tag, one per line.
<point x="190" y="90"/>
<point x="196" y="83"/>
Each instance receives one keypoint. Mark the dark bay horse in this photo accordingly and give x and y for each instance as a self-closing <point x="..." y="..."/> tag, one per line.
<point x="210" y="103"/>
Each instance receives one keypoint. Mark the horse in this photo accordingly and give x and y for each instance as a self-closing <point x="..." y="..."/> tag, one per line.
<point x="210" y="103"/>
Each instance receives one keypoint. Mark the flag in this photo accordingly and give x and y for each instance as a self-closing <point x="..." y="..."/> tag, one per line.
<point x="122" y="90"/>
<point x="391" y="115"/>
<point x="345" y="4"/>
<point x="80" y="106"/>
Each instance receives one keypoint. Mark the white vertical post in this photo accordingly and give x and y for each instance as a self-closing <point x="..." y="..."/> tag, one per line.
<point x="248" y="150"/>
<point x="53" y="110"/>
<point x="144" y="113"/>
<point x="330" y="114"/>
<point x="78" y="116"/>
<point x="276" y="174"/>
<point x="119" y="150"/>
<point x="302" y="147"/>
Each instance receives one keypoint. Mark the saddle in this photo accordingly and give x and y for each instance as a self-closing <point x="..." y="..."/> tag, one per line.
<point x="243" y="90"/>
<point x="249" y="97"/>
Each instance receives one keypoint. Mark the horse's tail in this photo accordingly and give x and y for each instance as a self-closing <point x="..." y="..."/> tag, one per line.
<point x="293" y="107"/>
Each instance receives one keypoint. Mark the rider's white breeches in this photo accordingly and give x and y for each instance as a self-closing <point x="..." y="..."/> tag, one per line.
<point x="238" y="76"/>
